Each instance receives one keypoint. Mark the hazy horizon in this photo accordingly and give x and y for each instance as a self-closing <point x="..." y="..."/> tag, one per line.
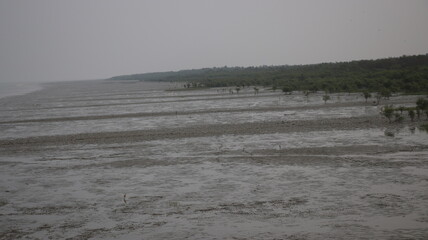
<point x="57" y="40"/>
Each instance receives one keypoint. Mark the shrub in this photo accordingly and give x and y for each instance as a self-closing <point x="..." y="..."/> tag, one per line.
<point x="386" y="93"/>
<point x="325" y="98"/>
<point x="422" y="103"/>
<point x="367" y="95"/>
<point x="256" y="90"/>
<point x="388" y="111"/>
<point x="287" y="89"/>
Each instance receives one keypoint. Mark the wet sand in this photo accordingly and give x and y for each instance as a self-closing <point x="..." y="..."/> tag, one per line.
<point x="111" y="160"/>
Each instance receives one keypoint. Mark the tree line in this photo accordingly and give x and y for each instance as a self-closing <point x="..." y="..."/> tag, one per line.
<point x="407" y="74"/>
<point x="421" y="108"/>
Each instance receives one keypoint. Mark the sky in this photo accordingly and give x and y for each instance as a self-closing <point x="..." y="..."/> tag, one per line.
<point x="57" y="40"/>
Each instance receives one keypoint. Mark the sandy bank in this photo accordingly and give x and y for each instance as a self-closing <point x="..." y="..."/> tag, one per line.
<point x="203" y="131"/>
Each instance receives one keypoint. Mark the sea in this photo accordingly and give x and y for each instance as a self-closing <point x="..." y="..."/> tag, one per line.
<point x="8" y="89"/>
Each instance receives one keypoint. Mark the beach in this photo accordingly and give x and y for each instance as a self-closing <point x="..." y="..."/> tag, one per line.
<point x="146" y="160"/>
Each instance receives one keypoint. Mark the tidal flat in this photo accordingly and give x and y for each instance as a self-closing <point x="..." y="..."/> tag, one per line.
<point x="139" y="160"/>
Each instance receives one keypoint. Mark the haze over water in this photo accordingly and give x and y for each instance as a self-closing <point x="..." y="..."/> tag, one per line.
<point x="8" y="89"/>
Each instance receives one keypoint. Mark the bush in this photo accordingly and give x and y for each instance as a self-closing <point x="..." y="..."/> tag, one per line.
<point x="422" y="104"/>
<point x="287" y="89"/>
<point x="386" y="93"/>
<point x="325" y="98"/>
<point x="367" y="95"/>
<point x="388" y="112"/>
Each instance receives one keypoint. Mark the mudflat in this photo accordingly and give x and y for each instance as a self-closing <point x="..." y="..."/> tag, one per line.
<point x="135" y="160"/>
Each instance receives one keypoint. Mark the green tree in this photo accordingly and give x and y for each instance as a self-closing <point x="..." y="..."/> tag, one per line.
<point x="256" y="90"/>
<point x="388" y="112"/>
<point x="378" y="96"/>
<point x="422" y="103"/>
<point x="287" y="89"/>
<point x="274" y="87"/>
<point x="367" y="95"/>
<point x="385" y="93"/>
<point x="325" y="98"/>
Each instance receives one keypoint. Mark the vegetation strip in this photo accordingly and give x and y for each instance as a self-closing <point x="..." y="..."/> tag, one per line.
<point x="401" y="74"/>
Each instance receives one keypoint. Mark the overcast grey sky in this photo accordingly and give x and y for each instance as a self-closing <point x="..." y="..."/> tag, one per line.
<point x="53" y="40"/>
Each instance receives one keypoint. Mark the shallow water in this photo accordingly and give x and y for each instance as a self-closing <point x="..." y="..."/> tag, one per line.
<point x="341" y="184"/>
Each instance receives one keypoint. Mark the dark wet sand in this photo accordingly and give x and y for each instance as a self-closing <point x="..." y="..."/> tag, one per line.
<point x="202" y="131"/>
<point x="329" y="178"/>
